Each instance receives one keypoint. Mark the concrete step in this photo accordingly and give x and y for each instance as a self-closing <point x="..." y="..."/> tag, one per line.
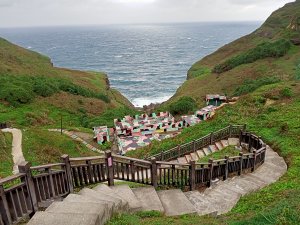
<point x="225" y="143"/>
<point x="201" y="203"/>
<point x="175" y="203"/>
<point x="188" y="158"/>
<point x="200" y="153"/>
<point x="117" y="203"/>
<point x="261" y="184"/>
<point x="47" y="218"/>
<point x="79" y="199"/>
<point x="148" y="198"/>
<point x="206" y="151"/>
<point x="182" y="160"/>
<point x="233" y="141"/>
<point x="194" y="156"/>
<point x="212" y="148"/>
<point x="219" y="146"/>
<point x="104" y="189"/>
<point x="81" y="208"/>
<point x="129" y="196"/>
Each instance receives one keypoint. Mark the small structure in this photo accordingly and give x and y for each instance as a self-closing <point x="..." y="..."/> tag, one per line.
<point x="206" y="113"/>
<point x="215" y="100"/>
<point x="190" y="120"/>
<point x="101" y="134"/>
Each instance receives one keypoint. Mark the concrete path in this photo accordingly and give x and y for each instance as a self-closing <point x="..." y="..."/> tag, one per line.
<point x="223" y="196"/>
<point x="16" y="147"/>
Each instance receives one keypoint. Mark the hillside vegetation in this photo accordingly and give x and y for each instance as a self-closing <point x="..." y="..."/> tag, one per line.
<point x="36" y="96"/>
<point x="266" y="52"/>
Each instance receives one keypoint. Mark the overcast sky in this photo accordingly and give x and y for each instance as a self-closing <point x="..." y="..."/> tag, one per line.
<point x="15" y="13"/>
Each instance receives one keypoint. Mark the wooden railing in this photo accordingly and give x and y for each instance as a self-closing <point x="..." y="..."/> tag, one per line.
<point x="181" y="150"/>
<point x="22" y="194"/>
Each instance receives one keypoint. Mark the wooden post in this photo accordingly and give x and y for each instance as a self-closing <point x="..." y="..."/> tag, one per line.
<point x="192" y="175"/>
<point x="6" y="216"/>
<point x="241" y="164"/>
<point x="24" y="167"/>
<point x="90" y="171"/>
<point x="110" y="168"/>
<point x="132" y="166"/>
<point x="250" y="143"/>
<point x="66" y="160"/>
<point x="154" y="172"/>
<point x="48" y="170"/>
<point x="211" y="168"/>
<point x="240" y="137"/>
<point x="254" y="161"/>
<point x="226" y="167"/>
<point x="211" y="138"/>
<point x="173" y="175"/>
<point x="245" y="127"/>
<point x="161" y="155"/>
<point x="230" y="131"/>
<point x="178" y="149"/>
<point x="194" y="145"/>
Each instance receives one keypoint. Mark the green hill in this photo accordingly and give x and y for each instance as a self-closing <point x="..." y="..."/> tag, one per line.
<point x="35" y="96"/>
<point x="250" y="57"/>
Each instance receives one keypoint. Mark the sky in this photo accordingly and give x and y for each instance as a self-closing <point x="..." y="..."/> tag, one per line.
<point x="27" y="13"/>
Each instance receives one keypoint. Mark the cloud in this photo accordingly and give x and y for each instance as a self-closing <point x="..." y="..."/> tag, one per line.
<point x="72" y="12"/>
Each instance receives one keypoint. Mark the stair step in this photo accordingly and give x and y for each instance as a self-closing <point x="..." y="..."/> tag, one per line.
<point x="194" y="156"/>
<point x="200" y="153"/>
<point x="219" y="146"/>
<point x="201" y="203"/>
<point x="188" y="158"/>
<point x="225" y="143"/>
<point x="104" y="189"/>
<point x="81" y="208"/>
<point x="78" y="198"/>
<point x="206" y="151"/>
<point x="212" y="148"/>
<point x="233" y="141"/>
<point x="117" y="203"/>
<point x="182" y="160"/>
<point x="148" y="198"/>
<point x="128" y="195"/>
<point x="175" y="203"/>
<point x="46" y="218"/>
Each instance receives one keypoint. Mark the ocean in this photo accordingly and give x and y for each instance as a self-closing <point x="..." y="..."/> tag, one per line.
<point x="146" y="63"/>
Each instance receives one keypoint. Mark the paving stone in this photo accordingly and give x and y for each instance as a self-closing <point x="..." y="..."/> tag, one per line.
<point x="233" y="141"/>
<point x="212" y="148"/>
<point x="200" y="153"/>
<point x="194" y="156"/>
<point x="219" y="146"/>
<point x="206" y="151"/>
<point x="148" y="198"/>
<point x="175" y="203"/>
<point x="225" y="143"/>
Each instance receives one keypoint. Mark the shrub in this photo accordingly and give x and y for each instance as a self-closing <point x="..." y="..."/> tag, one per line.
<point x="286" y="92"/>
<point x="251" y="85"/>
<point x="16" y="95"/>
<point x="183" y="106"/>
<point x="264" y="50"/>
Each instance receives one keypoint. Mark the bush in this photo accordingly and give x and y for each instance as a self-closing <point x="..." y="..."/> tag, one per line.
<point x="22" y="89"/>
<point x="286" y="92"/>
<point x="251" y="85"/>
<point x="183" y="106"/>
<point x="266" y="49"/>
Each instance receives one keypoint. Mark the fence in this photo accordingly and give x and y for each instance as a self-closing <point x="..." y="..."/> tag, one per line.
<point x="22" y="194"/>
<point x="181" y="150"/>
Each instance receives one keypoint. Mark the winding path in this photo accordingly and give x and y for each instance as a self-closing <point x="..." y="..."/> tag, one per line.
<point x="16" y="147"/>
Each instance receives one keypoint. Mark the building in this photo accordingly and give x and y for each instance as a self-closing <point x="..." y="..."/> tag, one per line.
<point x="101" y="134"/>
<point x="215" y="100"/>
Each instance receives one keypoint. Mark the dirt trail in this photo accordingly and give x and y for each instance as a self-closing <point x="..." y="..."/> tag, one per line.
<point x="16" y="147"/>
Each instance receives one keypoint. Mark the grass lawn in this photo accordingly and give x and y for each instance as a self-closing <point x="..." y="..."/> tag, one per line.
<point x="228" y="151"/>
<point x="6" y="161"/>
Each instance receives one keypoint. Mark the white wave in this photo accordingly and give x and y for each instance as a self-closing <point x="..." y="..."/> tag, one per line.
<point x="29" y="47"/>
<point x="140" y="102"/>
<point x="118" y="56"/>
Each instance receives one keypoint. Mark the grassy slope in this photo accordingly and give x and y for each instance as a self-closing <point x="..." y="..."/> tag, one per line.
<point x="41" y="146"/>
<point x="272" y="111"/>
<point x="201" y="81"/>
<point x="6" y="162"/>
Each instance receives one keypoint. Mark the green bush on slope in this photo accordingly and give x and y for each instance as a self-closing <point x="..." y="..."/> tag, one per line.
<point x="183" y="105"/>
<point x="23" y="89"/>
<point x="264" y="50"/>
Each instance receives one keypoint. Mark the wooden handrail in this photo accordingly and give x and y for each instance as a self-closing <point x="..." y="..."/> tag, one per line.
<point x="132" y="159"/>
<point x="47" y="166"/>
<point x="169" y="163"/>
<point x="12" y="178"/>
<point x="86" y="158"/>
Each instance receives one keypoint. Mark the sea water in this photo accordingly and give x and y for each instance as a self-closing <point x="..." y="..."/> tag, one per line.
<point x="146" y="63"/>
